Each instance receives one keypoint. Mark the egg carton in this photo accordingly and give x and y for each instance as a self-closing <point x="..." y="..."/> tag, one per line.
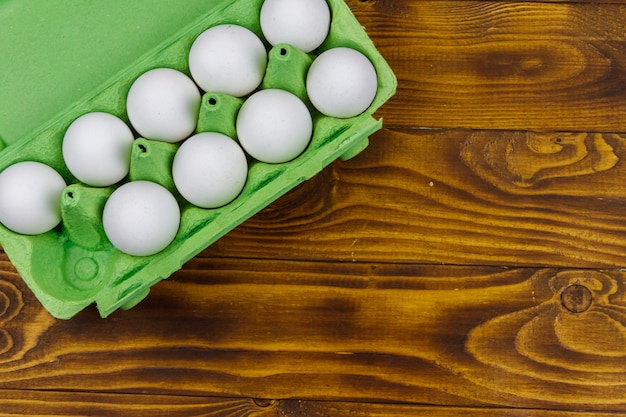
<point x="74" y="265"/>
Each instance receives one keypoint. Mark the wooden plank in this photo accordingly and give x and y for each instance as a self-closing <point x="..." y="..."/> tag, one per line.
<point x="502" y="65"/>
<point x="323" y="296"/>
<point x="30" y="403"/>
<point x="453" y="336"/>
<point x="335" y="409"/>
<point x="15" y="403"/>
<point x="455" y="197"/>
<point x="49" y="403"/>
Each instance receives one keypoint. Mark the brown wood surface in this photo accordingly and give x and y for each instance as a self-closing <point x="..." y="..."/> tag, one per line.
<point x="469" y="262"/>
<point x="454" y="197"/>
<point x="81" y="404"/>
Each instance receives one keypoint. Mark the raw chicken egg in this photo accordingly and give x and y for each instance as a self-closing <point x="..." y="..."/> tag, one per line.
<point x="300" y="23"/>
<point x="210" y="170"/>
<point x="163" y="104"/>
<point x="30" y="197"/>
<point x="274" y="126"/>
<point x="341" y="82"/>
<point x="228" y="59"/>
<point x="97" y="148"/>
<point x="141" y="218"/>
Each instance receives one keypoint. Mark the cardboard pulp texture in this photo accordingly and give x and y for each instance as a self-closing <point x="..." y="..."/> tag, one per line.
<point x="62" y="60"/>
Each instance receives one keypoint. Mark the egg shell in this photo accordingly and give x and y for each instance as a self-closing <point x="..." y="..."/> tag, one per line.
<point x="30" y="197"/>
<point x="163" y="104"/>
<point x="210" y="170"/>
<point x="96" y="149"/>
<point x="274" y="126"/>
<point x="301" y="23"/>
<point x="228" y="59"/>
<point x="341" y="82"/>
<point x="141" y="218"/>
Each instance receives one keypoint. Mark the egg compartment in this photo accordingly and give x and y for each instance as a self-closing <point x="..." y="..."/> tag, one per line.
<point x="74" y="265"/>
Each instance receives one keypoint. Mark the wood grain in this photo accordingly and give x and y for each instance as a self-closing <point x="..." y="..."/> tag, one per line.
<point x="45" y="403"/>
<point x="453" y="336"/>
<point x="454" y="197"/>
<point x="80" y="404"/>
<point x="320" y="408"/>
<point x="468" y="262"/>
<point x="502" y="65"/>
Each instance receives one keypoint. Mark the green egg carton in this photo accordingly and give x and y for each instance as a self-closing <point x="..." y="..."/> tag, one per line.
<point x="60" y="60"/>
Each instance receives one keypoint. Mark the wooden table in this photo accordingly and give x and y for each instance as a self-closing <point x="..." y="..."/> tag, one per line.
<point x="469" y="262"/>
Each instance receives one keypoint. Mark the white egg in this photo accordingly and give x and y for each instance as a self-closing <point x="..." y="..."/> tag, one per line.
<point x="274" y="126"/>
<point x="30" y="197"/>
<point x="97" y="148"/>
<point x="163" y="104"/>
<point x="210" y="170"/>
<point x="341" y="82"/>
<point x="228" y="59"/>
<point x="141" y="218"/>
<point x="301" y="23"/>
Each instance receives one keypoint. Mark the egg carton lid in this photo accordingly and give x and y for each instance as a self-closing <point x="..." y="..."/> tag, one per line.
<point x="55" y="54"/>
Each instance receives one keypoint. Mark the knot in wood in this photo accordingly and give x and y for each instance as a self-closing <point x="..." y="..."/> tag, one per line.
<point x="263" y="402"/>
<point x="576" y="298"/>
